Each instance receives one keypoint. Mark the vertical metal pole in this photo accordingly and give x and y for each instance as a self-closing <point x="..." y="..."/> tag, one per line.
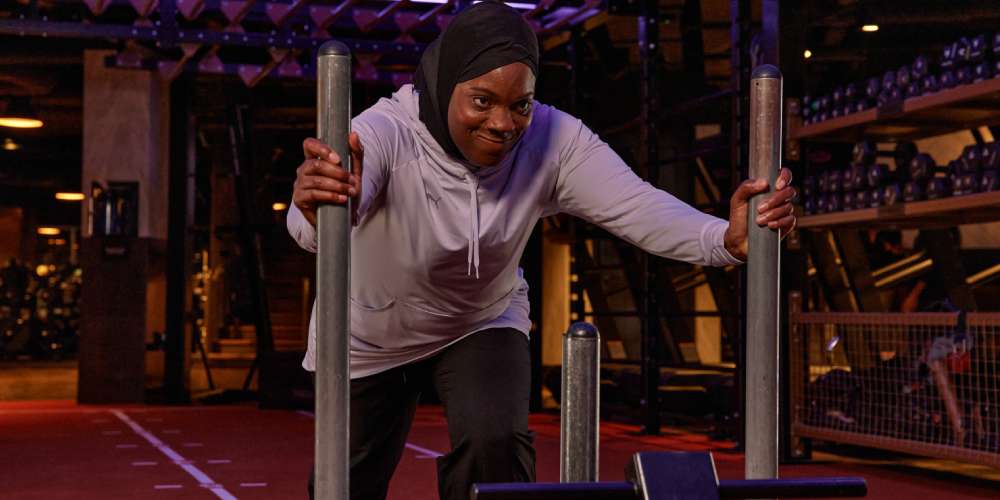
<point x="579" y="429"/>
<point x="762" y="281"/>
<point x="649" y="53"/>
<point x="333" y="273"/>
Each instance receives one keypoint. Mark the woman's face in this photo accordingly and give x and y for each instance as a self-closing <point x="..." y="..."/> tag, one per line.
<point x="488" y="114"/>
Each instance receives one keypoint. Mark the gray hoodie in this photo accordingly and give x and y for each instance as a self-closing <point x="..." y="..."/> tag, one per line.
<point x="435" y="252"/>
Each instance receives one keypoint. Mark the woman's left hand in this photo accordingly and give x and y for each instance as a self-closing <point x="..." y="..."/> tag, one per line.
<point x="775" y="212"/>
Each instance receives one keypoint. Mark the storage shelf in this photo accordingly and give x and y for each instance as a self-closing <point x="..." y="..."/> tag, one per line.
<point x="944" y="212"/>
<point x="959" y="108"/>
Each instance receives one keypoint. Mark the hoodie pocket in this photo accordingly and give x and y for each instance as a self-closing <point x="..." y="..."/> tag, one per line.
<point x="425" y="320"/>
<point x="371" y="325"/>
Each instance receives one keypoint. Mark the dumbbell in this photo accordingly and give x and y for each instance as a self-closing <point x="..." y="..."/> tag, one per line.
<point x="837" y="97"/>
<point x="825" y="102"/>
<point x="971" y="159"/>
<point x="858" y="176"/>
<point x="919" y="69"/>
<point x="938" y="187"/>
<point x="810" y="186"/>
<point x="978" y="47"/>
<point x="848" y="200"/>
<point x="922" y="167"/>
<point x="872" y="88"/>
<point x="876" y="197"/>
<point x="947" y="79"/>
<point x="989" y="156"/>
<point x="913" y="191"/>
<point x="903" y="77"/>
<point x="982" y="71"/>
<point x="863" y="199"/>
<point x="821" y="203"/>
<point x="966" y="183"/>
<point x="947" y="60"/>
<point x="930" y="84"/>
<point x="963" y="51"/>
<point x="852" y="92"/>
<point x="834" y="202"/>
<point x="878" y="174"/>
<point x="809" y="206"/>
<point x="834" y="181"/>
<point x="889" y="80"/>
<point x="963" y="75"/>
<point x="989" y="181"/>
<point x="892" y="194"/>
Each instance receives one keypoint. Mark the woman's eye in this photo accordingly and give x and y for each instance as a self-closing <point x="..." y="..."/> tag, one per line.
<point x="524" y="107"/>
<point x="480" y="101"/>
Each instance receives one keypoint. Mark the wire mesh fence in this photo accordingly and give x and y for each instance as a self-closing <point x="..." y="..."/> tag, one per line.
<point x="924" y="383"/>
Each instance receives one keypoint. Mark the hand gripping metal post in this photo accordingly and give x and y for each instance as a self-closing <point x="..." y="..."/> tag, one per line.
<point x="333" y="273"/>
<point x="762" y="281"/>
<point x="579" y="416"/>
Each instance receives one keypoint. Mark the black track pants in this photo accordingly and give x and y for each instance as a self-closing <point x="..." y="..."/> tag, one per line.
<point x="484" y="382"/>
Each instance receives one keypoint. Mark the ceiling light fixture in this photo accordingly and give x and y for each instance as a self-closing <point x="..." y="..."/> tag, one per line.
<point x="48" y="231"/>
<point x="19" y="114"/>
<point x="869" y="28"/>
<point x="70" y="196"/>
<point x="807" y="54"/>
<point x="278" y="206"/>
<point x="10" y="145"/>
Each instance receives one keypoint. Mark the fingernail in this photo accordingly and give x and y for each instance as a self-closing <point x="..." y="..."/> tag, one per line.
<point x="780" y="184"/>
<point x="332" y="157"/>
<point x="762" y="208"/>
<point x="352" y="191"/>
<point x="760" y="219"/>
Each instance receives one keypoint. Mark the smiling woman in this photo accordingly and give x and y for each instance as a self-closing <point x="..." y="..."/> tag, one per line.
<point x="448" y="177"/>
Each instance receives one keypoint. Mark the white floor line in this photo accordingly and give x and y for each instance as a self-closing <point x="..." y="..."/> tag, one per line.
<point x="89" y="410"/>
<point x="426" y="452"/>
<point x="182" y="462"/>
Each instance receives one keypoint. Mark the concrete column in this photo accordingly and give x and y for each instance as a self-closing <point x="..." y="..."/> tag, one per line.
<point x="125" y="139"/>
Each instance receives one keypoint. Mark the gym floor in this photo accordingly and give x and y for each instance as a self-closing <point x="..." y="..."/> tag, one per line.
<point x="60" y="450"/>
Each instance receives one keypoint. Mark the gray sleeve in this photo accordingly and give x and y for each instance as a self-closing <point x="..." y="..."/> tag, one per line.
<point x="595" y="184"/>
<point x="379" y="136"/>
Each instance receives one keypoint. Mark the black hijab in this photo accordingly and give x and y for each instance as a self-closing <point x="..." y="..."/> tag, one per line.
<point x="478" y="40"/>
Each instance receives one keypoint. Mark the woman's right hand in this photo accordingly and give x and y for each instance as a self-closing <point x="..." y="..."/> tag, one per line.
<point x="322" y="177"/>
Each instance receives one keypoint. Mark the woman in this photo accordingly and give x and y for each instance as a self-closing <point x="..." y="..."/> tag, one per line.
<point x="457" y="169"/>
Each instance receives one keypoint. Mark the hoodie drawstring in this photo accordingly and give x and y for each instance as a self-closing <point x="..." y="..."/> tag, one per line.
<point x="473" y="184"/>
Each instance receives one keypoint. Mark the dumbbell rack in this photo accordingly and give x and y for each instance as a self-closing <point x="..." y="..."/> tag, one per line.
<point x="945" y="111"/>
<point x="849" y="286"/>
<point x="962" y="107"/>
<point x="929" y="214"/>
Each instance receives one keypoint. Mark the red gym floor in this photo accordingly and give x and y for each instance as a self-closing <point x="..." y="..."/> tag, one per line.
<point x="58" y="450"/>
